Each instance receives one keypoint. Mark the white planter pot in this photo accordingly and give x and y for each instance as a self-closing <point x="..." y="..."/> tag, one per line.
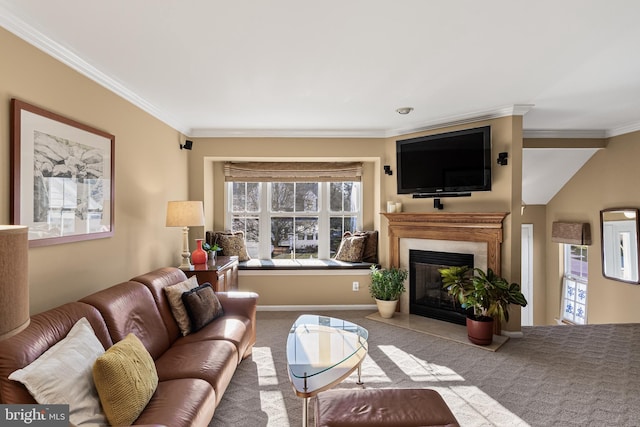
<point x="386" y="308"/>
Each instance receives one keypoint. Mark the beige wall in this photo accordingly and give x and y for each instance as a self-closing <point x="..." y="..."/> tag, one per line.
<point x="146" y="149"/>
<point x="609" y="179"/>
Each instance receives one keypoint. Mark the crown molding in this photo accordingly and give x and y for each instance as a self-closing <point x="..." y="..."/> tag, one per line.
<point x="286" y="133"/>
<point x="632" y="127"/>
<point x="26" y="32"/>
<point x="565" y="134"/>
<point x="510" y="110"/>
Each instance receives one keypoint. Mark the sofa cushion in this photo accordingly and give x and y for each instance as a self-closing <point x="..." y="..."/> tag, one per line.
<point x="156" y="281"/>
<point x="214" y="361"/>
<point x="128" y="308"/>
<point x="126" y="378"/>
<point x="62" y="375"/>
<point x="185" y="402"/>
<point x="351" y="248"/>
<point x="232" y="244"/>
<point x="202" y="305"/>
<point x="174" y="296"/>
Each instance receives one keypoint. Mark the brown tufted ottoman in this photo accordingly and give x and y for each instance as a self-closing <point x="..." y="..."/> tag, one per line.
<point x="382" y="407"/>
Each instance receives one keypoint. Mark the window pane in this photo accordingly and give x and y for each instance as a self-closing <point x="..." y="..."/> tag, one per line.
<point x="281" y="237"/>
<point x="238" y="195"/>
<point x="306" y="197"/>
<point x="306" y="238"/>
<point x="578" y="261"/>
<point x="253" y="197"/>
<point x="282" y="196"/>
<point x="344" y="196"/>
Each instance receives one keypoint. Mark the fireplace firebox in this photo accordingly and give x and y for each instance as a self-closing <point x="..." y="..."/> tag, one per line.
<point x="426" y="295"/>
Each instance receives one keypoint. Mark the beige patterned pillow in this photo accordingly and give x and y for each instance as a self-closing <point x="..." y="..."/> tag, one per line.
<point x="370" y="252"/>
<point x="232" y="244"/>
<point x="351" y="248"/>
<point x="174" y="295"/>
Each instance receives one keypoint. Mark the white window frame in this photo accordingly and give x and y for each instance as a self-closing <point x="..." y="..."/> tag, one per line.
<point x="573" y="307"/>
<point x="265" y="214"/>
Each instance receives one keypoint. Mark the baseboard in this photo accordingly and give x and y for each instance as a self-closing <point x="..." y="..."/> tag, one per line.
<point x="316" y="307"/>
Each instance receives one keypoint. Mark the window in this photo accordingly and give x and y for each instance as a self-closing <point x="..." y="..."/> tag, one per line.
<point x="574" y="284"/>
<point x="293" y="220"/>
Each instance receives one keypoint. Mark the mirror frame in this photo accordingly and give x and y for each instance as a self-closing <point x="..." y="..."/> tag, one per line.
<point x="602" y="243"/>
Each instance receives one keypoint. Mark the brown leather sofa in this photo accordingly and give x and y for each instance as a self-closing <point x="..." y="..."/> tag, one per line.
<point x="193" y="370"/>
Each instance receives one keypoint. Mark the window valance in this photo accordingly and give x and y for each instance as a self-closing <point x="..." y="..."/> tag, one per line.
<point x="574" y="233"/>
<point x="292" y="171"/>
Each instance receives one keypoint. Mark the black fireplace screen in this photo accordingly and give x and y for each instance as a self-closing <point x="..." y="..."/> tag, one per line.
<point x="426" y="295"/>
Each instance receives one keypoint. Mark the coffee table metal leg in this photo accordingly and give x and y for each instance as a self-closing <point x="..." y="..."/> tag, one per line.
<point x="359" y="382"/>
<point x="305" y="410"/>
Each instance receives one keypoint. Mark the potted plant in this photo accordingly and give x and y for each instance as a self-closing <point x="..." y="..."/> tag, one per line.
<point x="212" y="250"/>
<point x="386" y="287"/>
<point x="486" y="295"/>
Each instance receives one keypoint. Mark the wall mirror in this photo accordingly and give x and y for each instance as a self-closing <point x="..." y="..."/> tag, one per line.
<point x="619" y="231"/>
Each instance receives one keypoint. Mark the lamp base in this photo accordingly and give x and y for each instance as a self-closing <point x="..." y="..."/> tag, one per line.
<point x="186" y="264"/>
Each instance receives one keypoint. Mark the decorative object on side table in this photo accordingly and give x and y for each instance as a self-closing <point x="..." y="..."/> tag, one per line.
<point x="14" y="281"/>
<point x="211" y="250"/>
<point x="488" y="294"/>
<point x="386" y="287"/>
<point x="185" y="214"/>
<point x="199" y="255"/>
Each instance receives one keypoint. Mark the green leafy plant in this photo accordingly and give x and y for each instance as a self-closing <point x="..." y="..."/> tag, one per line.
<point x="211" y="248"/>
<point x="387" y="284"/>
<point x="488" y="294"/>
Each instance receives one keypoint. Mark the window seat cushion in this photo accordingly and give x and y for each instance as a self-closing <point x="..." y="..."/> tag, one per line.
<point x="301" y="264"/>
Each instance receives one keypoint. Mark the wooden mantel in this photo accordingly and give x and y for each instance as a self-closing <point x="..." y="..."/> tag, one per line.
<point x="458" y="226"/>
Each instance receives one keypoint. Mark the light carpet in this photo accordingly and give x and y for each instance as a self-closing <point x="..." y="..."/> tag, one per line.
<point x="552" y="376"/>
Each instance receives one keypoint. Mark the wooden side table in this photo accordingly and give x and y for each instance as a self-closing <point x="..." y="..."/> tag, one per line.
<point x="223" y="274"/>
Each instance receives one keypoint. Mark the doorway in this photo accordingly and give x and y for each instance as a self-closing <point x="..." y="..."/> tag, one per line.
<point x="526" y="281"/>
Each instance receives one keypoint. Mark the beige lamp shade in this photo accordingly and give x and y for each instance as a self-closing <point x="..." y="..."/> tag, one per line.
<point x="185" y="214"/>
<point x="14" y="280"/>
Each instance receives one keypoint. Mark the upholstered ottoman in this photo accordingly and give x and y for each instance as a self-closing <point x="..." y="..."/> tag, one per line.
<point x="382" y="407"/>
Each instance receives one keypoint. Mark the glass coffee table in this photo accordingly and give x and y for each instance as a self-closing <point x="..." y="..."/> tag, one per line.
<point x="321" y="352"/>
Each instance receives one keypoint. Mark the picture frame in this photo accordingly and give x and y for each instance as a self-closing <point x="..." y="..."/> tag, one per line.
<point x="62" y="177"/>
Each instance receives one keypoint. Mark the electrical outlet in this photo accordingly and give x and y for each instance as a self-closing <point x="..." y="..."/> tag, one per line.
<point x="356" y="286"/>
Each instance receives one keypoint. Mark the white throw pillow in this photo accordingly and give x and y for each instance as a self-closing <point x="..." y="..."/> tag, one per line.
<point x="63" y="375"/>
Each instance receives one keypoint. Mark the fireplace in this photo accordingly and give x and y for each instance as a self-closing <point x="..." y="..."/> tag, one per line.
<point x="426" y="296"/>
<point x="476" y="233"/>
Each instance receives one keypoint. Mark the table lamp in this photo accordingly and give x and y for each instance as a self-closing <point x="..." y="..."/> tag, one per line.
<point x="185" y="214"/>
<point x="14" y="282"/>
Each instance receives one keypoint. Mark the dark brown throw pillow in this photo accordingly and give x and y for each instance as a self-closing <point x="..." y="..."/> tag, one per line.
<point x="202" y="306"/>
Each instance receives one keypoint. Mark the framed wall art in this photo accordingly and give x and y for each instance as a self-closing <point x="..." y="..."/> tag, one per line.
<point x="62" y="183"/>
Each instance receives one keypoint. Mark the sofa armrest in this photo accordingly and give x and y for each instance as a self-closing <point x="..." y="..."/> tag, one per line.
<point x="241" y="304"/>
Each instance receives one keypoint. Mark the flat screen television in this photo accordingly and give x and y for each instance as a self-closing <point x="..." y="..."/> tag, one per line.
<point x="453" y="162"/>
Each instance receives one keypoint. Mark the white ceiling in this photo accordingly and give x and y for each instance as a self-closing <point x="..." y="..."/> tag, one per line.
<point x="342" y="68"/>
